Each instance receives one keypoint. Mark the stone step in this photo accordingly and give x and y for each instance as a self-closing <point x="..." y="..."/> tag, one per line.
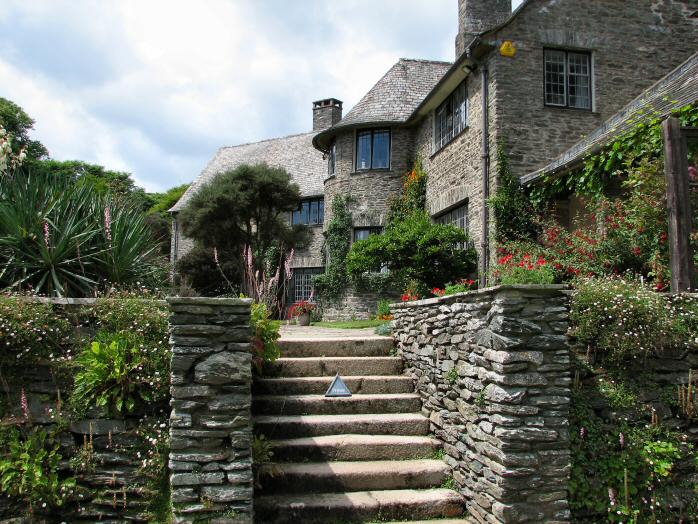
<point x="376" y="384"/>
<point x="321" y="405"/>
<point x="296" y="426"/>
<point x="336" y="347"/>
<point x="361" y="506"/>
<point x="323" y="477"/>
<point x="354" y="447"/>
<point x="345" y="366"/>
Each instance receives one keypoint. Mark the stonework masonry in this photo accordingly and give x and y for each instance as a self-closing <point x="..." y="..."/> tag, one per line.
<point x="494" y="373"/>
<point x="210" y="421"/>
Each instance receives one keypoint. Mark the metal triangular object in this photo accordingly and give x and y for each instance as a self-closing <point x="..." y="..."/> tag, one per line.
<point x="338" y="388"/>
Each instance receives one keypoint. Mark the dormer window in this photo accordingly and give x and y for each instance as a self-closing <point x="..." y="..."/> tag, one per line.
<point x="373" y="149"/>
<point x="451" y="117"/>
<point x="567" y="79"/>
<point x="311" y="212"/>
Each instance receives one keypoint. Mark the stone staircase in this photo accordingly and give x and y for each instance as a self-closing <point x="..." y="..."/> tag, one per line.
<point x="366" y="458"/>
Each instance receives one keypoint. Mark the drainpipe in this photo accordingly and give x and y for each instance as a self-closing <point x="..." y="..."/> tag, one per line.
<point x="485" y="234"/>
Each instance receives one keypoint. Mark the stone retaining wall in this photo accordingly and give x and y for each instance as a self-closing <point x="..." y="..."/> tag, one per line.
<point x="493" y="369"/>
<point x="210" y="421"/>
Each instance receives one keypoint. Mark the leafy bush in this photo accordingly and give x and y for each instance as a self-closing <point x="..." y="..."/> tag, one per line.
<point x="383" y="310"/>
<point x="29" y="471"/>
<point x="625" y="320"/>
<point x="113" y="375"/>
<point x="452" y="288"/>
<point x="415" y="249"/>
<point x="31" y="330"/>
<point x="58" y="238"/>
<point x="527" y="270"/>
<point x="384" y="330"/>
<point x="265" y="337"/>
<point x="333" y="283"/>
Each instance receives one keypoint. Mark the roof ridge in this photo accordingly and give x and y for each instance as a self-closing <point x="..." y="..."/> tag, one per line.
<point x="424" y="60"/>
<point x="267" y="140"/>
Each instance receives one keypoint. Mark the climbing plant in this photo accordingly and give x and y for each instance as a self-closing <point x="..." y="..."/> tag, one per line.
<point x="643" y="141"/>
<point x="332" y="284"/>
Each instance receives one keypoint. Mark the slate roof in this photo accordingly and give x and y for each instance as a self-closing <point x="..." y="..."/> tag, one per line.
<point x="393" y="99"/>
<point x="295" y="153"/>
<point x="677" y="89"/>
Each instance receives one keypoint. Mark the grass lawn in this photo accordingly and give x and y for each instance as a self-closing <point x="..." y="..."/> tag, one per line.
<point x="351" y="324"/>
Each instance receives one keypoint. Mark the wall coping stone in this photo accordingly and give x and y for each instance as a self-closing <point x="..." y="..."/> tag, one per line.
<point x="67" y="301"/>
<point x="542" y="289"/>
<point x="209" y="301"/>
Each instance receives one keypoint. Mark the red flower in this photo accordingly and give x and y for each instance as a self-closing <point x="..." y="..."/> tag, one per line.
<point x="637" y="251"/>
<point x="405" y="297"/>
<point x="438" y="292"/>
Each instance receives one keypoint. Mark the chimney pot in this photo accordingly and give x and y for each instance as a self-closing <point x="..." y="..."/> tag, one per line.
<point x="326" y="113"/>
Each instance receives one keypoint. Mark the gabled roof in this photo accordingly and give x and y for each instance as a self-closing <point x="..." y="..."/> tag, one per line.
<point x="679" y="88"/>
<point x="295" y="153"/>
<point x="392" y="100"/>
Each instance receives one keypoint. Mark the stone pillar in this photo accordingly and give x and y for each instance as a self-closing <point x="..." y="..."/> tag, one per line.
<point x="210" y="420"/>
<point x="494" y="372"/>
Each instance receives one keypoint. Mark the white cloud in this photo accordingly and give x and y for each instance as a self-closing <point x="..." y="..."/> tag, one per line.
<point x="156" y="86"/>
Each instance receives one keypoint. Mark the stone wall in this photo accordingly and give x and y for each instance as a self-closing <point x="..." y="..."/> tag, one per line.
<point x="210" y="421"/>
<point x="355" y="305"/>
<point x="493" y="369"/>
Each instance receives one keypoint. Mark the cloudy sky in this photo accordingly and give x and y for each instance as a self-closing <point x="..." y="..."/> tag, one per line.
<point x="154" y="87"/>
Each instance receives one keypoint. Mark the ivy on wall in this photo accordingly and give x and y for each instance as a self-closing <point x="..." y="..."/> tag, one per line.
<point x="333" y="283"/>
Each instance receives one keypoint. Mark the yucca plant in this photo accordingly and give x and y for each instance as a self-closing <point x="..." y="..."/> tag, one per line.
<point x="63" y="239"/>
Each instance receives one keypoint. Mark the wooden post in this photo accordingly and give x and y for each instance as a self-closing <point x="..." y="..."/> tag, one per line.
<point x="678" y="204"/>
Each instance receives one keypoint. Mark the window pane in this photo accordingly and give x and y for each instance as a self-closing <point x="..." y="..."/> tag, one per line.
<point x="361" y="234"/>
<point x="579" y="80"/>
<point x="332" y="161"/>
<point x="321" y="210"/>
<point x="555" y="77"/>
<point x="381" y="149"/>
<point x="313" y="212"/>
<point x="363" y="150"/>
<point x="305" y="212"/>
<point x="296" y="217"/>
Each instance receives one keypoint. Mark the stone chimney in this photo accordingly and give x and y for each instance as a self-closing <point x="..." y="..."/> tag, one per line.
<point x="326" y="113"/>
<point x="478" y="16"/>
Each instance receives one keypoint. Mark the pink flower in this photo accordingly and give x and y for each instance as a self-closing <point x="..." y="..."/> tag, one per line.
<point x="25" y="405"/>
<point x="47" y="236"/>
<point x="107" y="223"/>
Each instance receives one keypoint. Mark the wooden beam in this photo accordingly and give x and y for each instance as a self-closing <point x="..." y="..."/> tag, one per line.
<point x="679" y="205"/>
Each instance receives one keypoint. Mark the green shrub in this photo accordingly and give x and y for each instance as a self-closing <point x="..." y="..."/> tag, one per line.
<point x="625" y="320"/>
<point x="31" y="330"/>
<point x="114" y="373"/>
<point x="383" y="310"/>
<point x="29" y="471"/>
<point x="415" y="249"/>
<point x="384" y="330"/>
<point x="333" y="283"/>
<point x="523" y="275"/>
<point x="265" y="336"/>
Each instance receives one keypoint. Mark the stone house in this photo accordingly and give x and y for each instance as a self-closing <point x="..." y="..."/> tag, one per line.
<point x="533" y="81"/>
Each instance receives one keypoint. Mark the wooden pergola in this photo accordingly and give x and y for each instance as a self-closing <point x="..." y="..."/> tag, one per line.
<point x="679" y="203"/>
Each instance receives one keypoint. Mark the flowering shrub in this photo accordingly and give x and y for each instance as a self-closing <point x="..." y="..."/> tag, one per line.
<point x="519" y="267"/>
<point x="626" y="320"/>
<point x="30" y="330"/>
<point x="383" y="311"/>
<point x="460" y="286"/>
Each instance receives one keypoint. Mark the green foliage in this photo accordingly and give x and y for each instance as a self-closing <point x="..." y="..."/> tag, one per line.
<point x="29" y="471"/>
<point x="18" y="123"/>
<point x="515" y="219"/>
<point x="383" y="310"/>
<point x="452" y="376"/>
<point x="626" y="321"/>
<point x="384" y="330"/>
<point x="266" y="336"/>
<point x="247" y="206"/>
<point x="30" y="330"/>
<point x="333" y="283"/>
<point x="127" y="365"/>
<point x="413" y="197"/>
<point x="60" y="239"/>
<point x="624" y="470"/>
<point x="262" y="450"/>
<point x="643" y="142"/>
<point x="512" y="275"/>
<point x="415" y="249"/>
<point x="109" y="375"/>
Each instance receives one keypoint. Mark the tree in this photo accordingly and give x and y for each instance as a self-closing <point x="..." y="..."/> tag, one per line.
<point x="247" y="206"/>
<point x="158" y="215"/>
<point x="18" y="123"/>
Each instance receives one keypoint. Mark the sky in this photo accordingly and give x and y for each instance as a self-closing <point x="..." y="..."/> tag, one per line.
<point x="155" y="87"/>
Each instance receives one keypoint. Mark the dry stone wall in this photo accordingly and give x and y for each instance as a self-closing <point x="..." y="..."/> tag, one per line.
<point x="493" y="369"/>
<point x="210" y="421"/>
